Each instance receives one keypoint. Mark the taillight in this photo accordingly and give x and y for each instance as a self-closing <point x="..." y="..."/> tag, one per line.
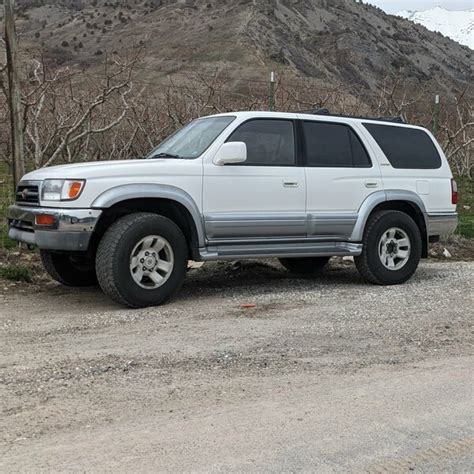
<point x="454" y="192"/>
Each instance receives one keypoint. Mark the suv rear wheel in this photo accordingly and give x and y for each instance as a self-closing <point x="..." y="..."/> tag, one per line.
<point x="305" y="266"/>
<point x="391" y="248"/>
<point x="141" y="260"/>
<point x="68" y="269"/>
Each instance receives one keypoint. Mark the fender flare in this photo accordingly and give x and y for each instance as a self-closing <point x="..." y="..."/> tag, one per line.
<point x="377" y="198"/>
<point x="125" y="192"/>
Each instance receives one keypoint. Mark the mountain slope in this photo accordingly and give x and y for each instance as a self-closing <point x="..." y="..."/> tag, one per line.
<point x="457" y="25"/>
<point x="331" y="42"/>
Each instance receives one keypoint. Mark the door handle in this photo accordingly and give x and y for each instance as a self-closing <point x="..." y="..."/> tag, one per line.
<point x="290" y="184"/>
<point x="371" y="184"/>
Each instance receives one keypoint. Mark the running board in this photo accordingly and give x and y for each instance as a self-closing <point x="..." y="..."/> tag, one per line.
<point x="313" y="249"/>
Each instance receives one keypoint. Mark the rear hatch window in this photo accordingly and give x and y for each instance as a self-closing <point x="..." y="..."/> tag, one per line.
<point x="405" y="148"/>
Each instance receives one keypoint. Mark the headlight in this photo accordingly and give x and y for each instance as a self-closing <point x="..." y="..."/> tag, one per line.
<point x="61" y="189"/>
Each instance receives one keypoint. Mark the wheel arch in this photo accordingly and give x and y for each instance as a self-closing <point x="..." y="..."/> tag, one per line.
<point x="397" y="200"/>
<point x="169" y="201"/>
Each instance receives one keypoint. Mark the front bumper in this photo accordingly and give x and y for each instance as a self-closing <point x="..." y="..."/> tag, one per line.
<point x="441" y="224"/>
<point x="71" y="231"/>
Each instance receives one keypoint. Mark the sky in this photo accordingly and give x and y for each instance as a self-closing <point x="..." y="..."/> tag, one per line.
<point x="393" y="6"/>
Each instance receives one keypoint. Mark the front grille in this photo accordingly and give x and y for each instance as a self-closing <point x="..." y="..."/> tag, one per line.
<point x="27" y="194"/>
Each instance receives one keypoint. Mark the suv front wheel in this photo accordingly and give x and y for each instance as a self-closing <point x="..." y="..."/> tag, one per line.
<point x="391" y="248"/>
<point x="141" y="260"/>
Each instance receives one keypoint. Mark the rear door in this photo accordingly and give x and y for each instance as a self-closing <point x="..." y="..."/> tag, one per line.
<point x="263" y="198"/>
<point x="340" y="175"/>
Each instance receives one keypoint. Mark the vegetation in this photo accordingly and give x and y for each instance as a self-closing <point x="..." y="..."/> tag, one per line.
<point x="6" y="198"/>
<point x="15" y="273"/>
<point x="466" y="208"/>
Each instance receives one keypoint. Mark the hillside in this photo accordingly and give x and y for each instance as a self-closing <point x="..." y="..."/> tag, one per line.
<point x="334" y="41"/>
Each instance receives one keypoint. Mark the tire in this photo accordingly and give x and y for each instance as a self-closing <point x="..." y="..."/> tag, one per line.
<point x="124" y="246"/>
<point x="69" y="270"/>
<point x="305" y="266"/>
<point x="379" y="246"/>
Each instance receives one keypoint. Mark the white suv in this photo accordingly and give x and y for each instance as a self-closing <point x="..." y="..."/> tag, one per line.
<point x="301" y="187"/>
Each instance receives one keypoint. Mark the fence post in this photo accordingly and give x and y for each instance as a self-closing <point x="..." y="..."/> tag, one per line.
<point x="436" y="115"/>
<point x="271" y="97"/>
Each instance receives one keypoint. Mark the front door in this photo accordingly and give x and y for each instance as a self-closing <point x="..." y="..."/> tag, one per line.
<point x="263" y="198"/>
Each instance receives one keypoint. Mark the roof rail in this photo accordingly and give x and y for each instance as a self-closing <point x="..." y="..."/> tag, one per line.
<point x="326" y="112"/>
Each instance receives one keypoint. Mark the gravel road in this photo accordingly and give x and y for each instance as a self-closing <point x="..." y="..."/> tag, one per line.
<point x="326" y="374"/>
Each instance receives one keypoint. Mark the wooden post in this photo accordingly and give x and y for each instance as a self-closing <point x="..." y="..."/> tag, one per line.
<point x="436" y="115"/>
<point x="14" y="98"/>
<point x="271" y="95"/>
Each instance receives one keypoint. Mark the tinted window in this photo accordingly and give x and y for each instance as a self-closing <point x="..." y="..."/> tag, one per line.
<point x="405" y="147"/>
<point x="269" y="142"/>
<point x="333" y="145"/>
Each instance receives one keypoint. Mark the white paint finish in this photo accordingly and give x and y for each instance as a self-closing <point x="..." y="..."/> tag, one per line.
<point x="275" y="191"/>
<point x="231" y="153"/>
<point x="423" y="187"/>
<point x="253" y="189"/>
<point x="339" y="190"/>
<point x="103" y="175"/>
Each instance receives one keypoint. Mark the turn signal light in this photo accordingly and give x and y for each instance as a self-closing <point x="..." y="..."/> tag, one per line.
<point x="45" y="219"/>
<point x="74" y="190"/>
<point x="454" y="192"/>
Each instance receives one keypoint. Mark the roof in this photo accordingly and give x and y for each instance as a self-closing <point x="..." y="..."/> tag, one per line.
<point x="316" y="117"/>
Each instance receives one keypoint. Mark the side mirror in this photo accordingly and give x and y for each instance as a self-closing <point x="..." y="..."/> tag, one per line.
<point x="231" y="153"/>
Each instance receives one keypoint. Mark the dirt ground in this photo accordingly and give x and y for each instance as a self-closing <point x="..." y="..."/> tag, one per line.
<point x="326" y="374"/>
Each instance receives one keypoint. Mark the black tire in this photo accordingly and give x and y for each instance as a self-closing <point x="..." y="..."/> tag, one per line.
<point x="115" y="250"/>
<point x="305" y="266"/>
<point x="369" y="263"/>
<point x="68" y="269"/>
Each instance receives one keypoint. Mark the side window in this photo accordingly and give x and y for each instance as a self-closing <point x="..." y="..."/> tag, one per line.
<point x="406" y="148"/>
<point x="333" y="145"/>
<point x="269" y="142"/>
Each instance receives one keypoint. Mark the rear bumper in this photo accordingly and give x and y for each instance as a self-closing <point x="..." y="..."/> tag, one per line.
<point x="71" y="231"/>
<point x="441" y="224"/>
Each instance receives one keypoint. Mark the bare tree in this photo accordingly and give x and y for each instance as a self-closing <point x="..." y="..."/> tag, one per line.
<point x="457" y="129"/>
<point x="60" y="116"/>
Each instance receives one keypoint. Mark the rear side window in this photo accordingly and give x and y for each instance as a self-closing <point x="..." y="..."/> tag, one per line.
<point x="269" y="142"/>
<point x="333" y="146"/>
<point x="405" y="148"/>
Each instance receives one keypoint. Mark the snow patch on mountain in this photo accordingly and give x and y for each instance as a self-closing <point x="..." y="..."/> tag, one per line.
<point x="457" y="25"/>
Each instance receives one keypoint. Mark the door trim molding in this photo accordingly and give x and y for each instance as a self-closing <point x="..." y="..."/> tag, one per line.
<point x="237" y="226"/>
<point x="340" y="225"/>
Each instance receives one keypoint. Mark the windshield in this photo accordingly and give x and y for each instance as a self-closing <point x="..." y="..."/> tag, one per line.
<point x="192" y="140"/>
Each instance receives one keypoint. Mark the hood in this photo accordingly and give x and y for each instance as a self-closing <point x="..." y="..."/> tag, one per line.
<point x="112" y="168"/>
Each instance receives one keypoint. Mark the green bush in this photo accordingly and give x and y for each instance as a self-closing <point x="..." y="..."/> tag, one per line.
<point x="15" y="273"/>
<point x="466" y="207"/>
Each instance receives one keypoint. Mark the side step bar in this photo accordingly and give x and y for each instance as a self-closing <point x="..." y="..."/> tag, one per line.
<point x="313" y="249"/>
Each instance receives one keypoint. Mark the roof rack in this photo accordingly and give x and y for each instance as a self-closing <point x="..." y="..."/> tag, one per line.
<point x="326" y="112"/>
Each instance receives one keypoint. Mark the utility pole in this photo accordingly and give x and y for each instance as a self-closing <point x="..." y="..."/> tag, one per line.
<point x="271" y="95"/>
<point x="14" y="98"/>
<point x="436" y="115"/>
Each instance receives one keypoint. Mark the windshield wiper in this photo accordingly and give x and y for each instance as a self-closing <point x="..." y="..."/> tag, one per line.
<point x="165" y="155"/>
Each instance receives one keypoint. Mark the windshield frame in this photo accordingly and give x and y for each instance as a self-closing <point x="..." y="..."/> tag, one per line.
<point x="151" y="155"/>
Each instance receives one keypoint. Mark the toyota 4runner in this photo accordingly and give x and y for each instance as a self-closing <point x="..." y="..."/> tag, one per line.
<point x="300" y="187"/>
